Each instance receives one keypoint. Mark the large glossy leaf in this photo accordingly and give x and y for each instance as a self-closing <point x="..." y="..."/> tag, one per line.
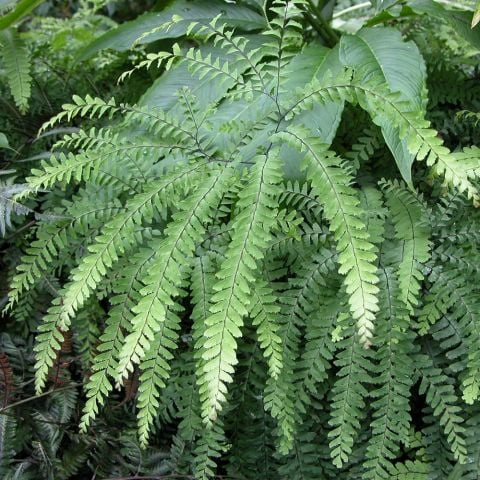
<point x="315" y="61"/>
<point x="383" y="53"/>
<point x="163" y="92"/>
<point x="461" y="23"/>
<point x="123" y="37"/>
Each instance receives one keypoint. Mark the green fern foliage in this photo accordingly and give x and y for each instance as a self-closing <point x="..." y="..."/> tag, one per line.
<point x="272" y="254"/>
<point x="411" y="227"/>
<point x="393" y="366"/>
<point x="341" y="208"/>
<point x="16" y="61"/>
<point x="231" y="298"/>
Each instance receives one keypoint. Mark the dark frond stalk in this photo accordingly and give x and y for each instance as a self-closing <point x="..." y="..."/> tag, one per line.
<point x="318" y="22"/>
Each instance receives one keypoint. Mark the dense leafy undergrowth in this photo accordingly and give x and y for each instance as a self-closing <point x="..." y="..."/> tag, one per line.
<point x="253" y="257"/>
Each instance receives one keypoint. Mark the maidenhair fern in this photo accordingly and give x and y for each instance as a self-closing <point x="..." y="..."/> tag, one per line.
<point x="16" y="61"/>
<point x="254" y="274"/>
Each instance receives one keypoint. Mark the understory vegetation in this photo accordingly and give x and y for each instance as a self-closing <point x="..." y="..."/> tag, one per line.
<point x="240" y="240"/>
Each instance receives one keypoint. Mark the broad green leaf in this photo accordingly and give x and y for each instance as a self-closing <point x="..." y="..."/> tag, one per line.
<point x="123" y="37"/>
<point x="23" y="8"/>
<point x="461" y="23"/>
<point x="4" y="144"/>
<point x="383" y="53"/>
<point x="314" y="62"/>
<point x="256" y="4"/>
<point x="4" y="141"/>
<point x="163" y="92"/>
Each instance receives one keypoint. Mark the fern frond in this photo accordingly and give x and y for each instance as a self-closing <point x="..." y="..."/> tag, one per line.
<point x="190" y="421"/>
<point x="10" y="205"/>
<point x="450" y="292"/>
<point x="375" y="213"/>
<point x="458" y="169"/>
<point x="88" y="164"/>
<point x="410" y="470"/>
<point x="303" y="462"/>
<point x="105" y="362"/>
<point x="82" y="107"/>
<point x="52" y="238"/>
<point x="364" y="147"/>
<point x="319" y="350"/>
<point x="154" y="372"/>
<point x="393" y="366"/>
<point x="8" y="426"/>
<point x="411" y="227"/>
<point x="251" y="227"/>
<point x="119" y="235"/>
<point x="447" y="333"/>
<point x="48" y="342"/>
<point x="209" y="447"/>
<point x="17" y="65"/>
<point x="442" y="399"/>
<point x="332" y="182"/>
<point x="474" y="117"/>
<point x="302" y="198"/>
<point x="236" y="45"/>
<point x="263" y="310"/>
<point x="349" y="393"/>
<point x="168" y="268"/>
<point x="306" y="294"/>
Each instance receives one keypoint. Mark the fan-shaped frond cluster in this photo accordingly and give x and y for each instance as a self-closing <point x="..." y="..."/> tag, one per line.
<point x="258" y="281"/>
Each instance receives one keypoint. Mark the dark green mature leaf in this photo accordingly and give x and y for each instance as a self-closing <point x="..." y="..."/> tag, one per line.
<point x="4" y="141"/>
<point x="382" y="52"/>
<point x="123" y="37"/>
<point x="462" y="23"/>
<point x="163" y="92"/>
<point x="314" y="62"/>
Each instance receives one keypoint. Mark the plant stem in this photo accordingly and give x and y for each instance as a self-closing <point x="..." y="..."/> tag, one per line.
<point x="35" y="397"/>
<point x="351" y="9"/>
<point x="318" y="28"/>
<point x="329" y="34"/>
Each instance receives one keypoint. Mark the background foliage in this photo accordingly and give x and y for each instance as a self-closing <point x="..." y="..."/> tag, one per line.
<point x="254" y="256"/>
